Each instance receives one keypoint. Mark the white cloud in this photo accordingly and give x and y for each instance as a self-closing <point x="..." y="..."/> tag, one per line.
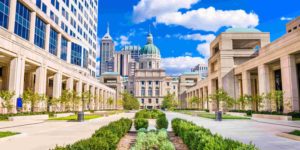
<point x="187" y="54"/>
<point x="286" y="18"/>
<point x="147" y="9"/>
<point x="204" y="46"/>
<point x="177" y="65"/>
<point x="207" y="19"/>
<point x="124" y="40"/>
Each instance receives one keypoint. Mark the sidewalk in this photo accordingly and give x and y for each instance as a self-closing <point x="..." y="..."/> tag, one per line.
<point x="295" y="124"/>
<point x="46" y="135"/>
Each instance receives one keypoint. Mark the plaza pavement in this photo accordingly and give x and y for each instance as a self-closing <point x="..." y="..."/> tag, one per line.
<point x="263" y="135"/>
<point x="46" y="135"/>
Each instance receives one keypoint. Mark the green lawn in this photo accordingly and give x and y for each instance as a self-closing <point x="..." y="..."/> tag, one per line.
<point x="74" y="118"/>
<point x="295" y="132"/>
<point x="212" y="116"/>
<point x="6" y="134"/>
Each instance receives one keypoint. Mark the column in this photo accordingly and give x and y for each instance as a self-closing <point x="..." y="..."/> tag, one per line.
<point x="86" y="89"/>
<point x="57" y="85"/>
<point x="59" y="45"/>
<point x="246" y="79"/>
<point x="16" y="78"/>
<point x="41" y="80"/>
<point x="47" y="37"/>
<point x="79" y="87"/>
<point x="104" y="100"/>
<point x="69" y="52"/>
<point x="93" y="100"/>
<point x="70" y="83"/>
<point x="32" y="27"/>
<point x="264" y="84"/>
<point x="98" y="97"/>
<point x="289" y="83"/>
<point x="12" y="15"/>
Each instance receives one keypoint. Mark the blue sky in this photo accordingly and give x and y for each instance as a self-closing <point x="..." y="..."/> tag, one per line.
<point x="183" y="29"/>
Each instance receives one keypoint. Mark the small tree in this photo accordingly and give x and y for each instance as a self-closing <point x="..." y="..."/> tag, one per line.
<point x="6" y="97"/>
<point x="32" y="98"/>
<point x="75" y="99"/>
<point x="86" y="96"/>
<point x="195" y="100"/>
<point x="66" y="99"/>
<point x="277" y="98"/>
<point x="222" y="96"/>
<point x="110" y="102"/>
<point x="129" y="102"/>
<point x="169" y="101"/>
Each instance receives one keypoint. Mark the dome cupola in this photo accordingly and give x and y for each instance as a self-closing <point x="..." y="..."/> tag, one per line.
<point x="150" y="48"/>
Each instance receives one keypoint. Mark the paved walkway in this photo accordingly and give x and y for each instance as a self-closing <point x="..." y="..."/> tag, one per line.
<point x="263" y="135"/>
<point x="46" y="135"/>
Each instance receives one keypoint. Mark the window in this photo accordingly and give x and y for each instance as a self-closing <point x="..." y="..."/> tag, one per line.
<point x="142" y="101"/>
<point x="157" y="101"/>
<point x="38" y="3"/>
<point x="22" y="22"/>
<point x="157" y="91"/>
<point x="143" y="82"/>
<point x="44" y="8"/>
<point x="149" y="101"/>
<point x="53" y="42"/>
<point x="66" y="2"/>
<point x="64" y="48"/>
<point x="76" y="53"/>
<point x="4" y="12"/>
<point x="143" y="91"/>
<point x="39" y="35"/>
<point x="156" y="82"/>
<point x="150" y="91"/>
<point x="168" y="83"/>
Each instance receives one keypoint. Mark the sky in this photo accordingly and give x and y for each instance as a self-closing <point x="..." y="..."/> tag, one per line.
<point x="183" y="29"/>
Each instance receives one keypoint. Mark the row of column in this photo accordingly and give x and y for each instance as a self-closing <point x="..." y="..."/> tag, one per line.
<point x="201" y="93"/>
<point x="17" y="76"/>
<point x="289" y="83"/>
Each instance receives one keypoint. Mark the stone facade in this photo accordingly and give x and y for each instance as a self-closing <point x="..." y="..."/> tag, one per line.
<point x="255" y="71"/>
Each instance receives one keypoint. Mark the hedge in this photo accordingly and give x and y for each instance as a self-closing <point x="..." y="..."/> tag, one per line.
<point x="148" y="114"/>
<point x="141" y="123"/>
<point x="199" y="138"/>
<point x="162" y="122"/>
<point x="105" y="138"/>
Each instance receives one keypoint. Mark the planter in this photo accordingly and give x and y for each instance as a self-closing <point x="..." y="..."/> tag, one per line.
<point x="31" y="117"/>
<point x="236" y="114"/>
<point x="63" y="115"/>
<point x="273" y="117"/>
<point x="289" y="136"/>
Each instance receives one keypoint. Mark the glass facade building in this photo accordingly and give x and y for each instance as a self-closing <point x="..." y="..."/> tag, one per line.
<point x="64" y="48"/>
<point x="76" y="54"/>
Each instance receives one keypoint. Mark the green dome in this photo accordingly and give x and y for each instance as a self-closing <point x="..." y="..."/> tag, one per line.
<point x="150" y="48"/>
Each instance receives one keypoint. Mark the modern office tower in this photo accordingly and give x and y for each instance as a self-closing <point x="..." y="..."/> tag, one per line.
<point x="202" y="70"/>
<point x="49" y="46"/>
<point x="107" y="50"/>
<point x="123" y="62"/>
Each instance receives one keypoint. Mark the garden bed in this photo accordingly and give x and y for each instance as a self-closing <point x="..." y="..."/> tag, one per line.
<point x="273" y="117"/>
<point x="74" y="118"/>
<point x="294" y="135"/>
<point x="7" y="134"/>
<point x="224" y="116"/>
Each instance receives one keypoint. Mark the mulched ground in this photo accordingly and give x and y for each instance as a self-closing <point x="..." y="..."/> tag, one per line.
<point x="177" y="141"/>
<point x="129" y="139"/>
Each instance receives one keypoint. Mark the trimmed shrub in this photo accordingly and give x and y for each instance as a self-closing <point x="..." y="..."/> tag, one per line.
<point x="198" y="138"/>
<point x="162" y="122"/>
<point x="105" y="138"/>
<point x="141" y="123"/>
<point x="148" y="114"/>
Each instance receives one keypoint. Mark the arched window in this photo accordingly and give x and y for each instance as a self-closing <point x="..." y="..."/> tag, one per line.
<point x="150" y="65"/>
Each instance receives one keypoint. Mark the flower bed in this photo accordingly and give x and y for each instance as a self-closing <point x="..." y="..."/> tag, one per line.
<point x="104" y="138"/>
<point x="153" y="140"/>
<point x="196" y="137"/>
